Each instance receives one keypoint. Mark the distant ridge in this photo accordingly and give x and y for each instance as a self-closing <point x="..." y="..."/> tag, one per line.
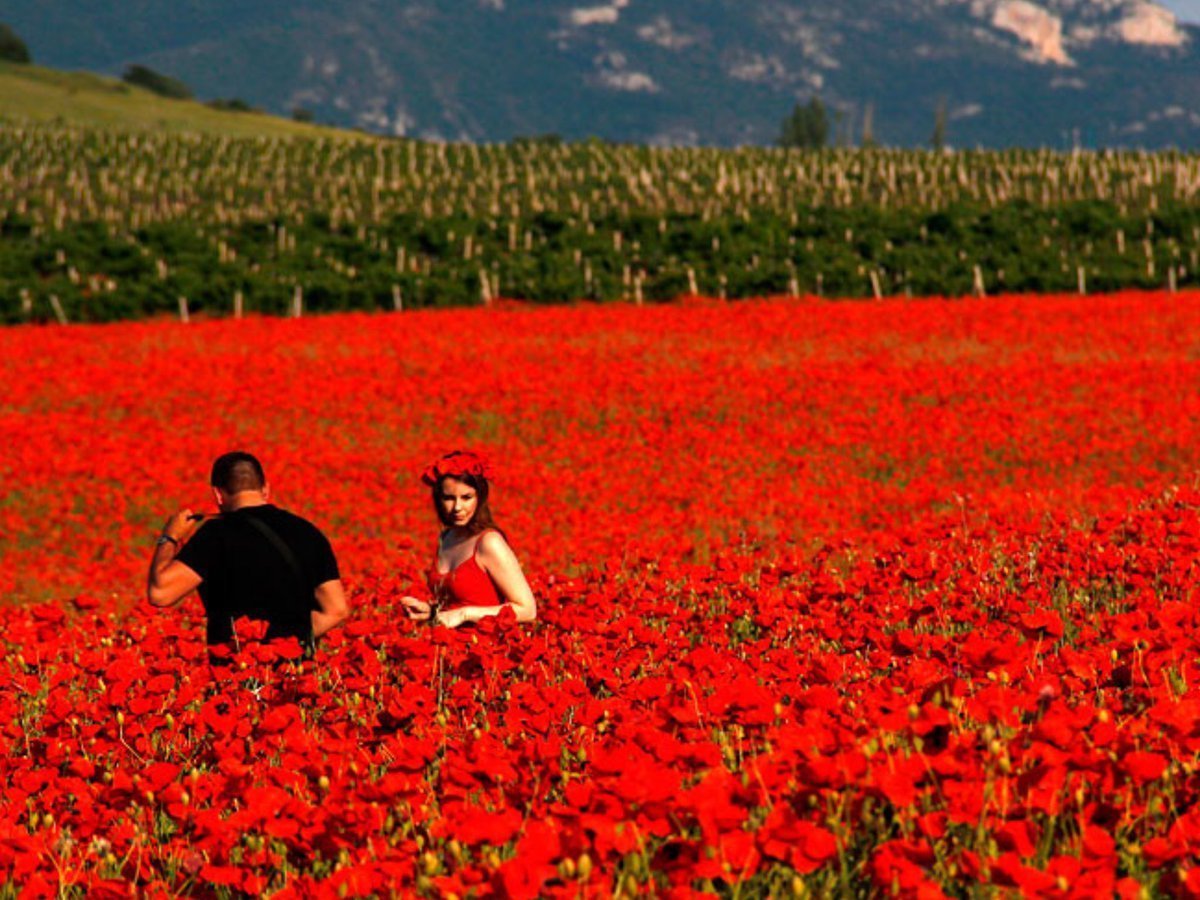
<point x="1054" y="73"/>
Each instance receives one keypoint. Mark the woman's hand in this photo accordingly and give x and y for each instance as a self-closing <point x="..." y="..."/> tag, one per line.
<point x="418" y="610"/>
<point x="451" y="618"/>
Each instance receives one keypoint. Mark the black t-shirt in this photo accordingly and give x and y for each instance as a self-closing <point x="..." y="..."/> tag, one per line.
<point x="245" y="574"/>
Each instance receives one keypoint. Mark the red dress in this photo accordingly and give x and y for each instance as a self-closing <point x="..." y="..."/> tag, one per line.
<point x="464" y="585"/>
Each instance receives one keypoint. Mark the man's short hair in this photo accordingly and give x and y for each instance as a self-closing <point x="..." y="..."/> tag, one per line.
<point x="238" y="471"/>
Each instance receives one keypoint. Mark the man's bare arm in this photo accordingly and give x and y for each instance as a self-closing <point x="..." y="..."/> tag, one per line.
<point x="169" y="580"/>
<point x="334" y="610"/>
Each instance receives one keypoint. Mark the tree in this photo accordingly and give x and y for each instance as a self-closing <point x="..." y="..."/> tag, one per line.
<point x="807" y="126"/>
<point x="303" y="114"/>
<point x="938" y="139"/>
<point x="868" y="129"/>
<point x="231" y="104"/>
<point x="12" y="48"/>
<point x="156" y="82"/>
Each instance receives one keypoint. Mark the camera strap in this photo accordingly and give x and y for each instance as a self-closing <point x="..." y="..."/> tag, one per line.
<point x="289" y="558"/>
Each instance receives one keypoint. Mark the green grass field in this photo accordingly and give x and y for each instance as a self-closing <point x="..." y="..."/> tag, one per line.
<point x="33" y="93"/>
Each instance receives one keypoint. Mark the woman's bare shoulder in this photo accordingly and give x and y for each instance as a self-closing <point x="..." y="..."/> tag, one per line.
<point x="492" y="543"/>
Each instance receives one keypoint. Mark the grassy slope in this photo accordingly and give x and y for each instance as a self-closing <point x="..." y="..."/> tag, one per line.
<point x="81" y="98"/>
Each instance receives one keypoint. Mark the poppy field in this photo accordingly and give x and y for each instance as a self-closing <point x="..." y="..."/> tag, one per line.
<point x="859" y="599"/>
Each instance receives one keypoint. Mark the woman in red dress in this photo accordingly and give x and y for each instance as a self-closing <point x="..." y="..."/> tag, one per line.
<point x="474" y="574"/>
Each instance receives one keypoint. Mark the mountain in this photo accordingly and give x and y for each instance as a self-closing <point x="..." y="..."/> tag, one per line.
<point x="1007" y="72"/>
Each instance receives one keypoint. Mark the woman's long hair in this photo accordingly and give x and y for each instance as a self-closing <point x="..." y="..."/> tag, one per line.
<point x="482" y="520"/>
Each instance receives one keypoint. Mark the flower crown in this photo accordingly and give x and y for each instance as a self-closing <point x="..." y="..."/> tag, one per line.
<point x="454" y="464"/>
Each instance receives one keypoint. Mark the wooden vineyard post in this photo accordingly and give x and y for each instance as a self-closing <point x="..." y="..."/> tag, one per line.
<point x="1172" y="280"/>
<point x="297" y="302"/>
<point x="691" y="277"/>
<point x="238" y="304"/>
<point x="637" y="288"/>
<point x="876" y="288"/>
<point x="56" y="305"/>
<point x="793" y="287"/>
<point x="26" y="304"/>
<point x="184" y="317"/>
<point x="397" y="298"/>
<point x="980" y="289"/>
<point x="485" y="288"/>
<point x="1081" y="276"/>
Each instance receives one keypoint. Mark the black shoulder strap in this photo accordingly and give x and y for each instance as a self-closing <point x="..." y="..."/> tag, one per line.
<point x="283" y="549"/>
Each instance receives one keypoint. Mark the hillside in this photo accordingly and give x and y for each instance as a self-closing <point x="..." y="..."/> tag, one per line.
<point x="34" y="93"/>
<point x="1009" y="72"/>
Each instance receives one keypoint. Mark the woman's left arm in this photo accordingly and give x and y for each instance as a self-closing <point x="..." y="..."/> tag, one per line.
<point x="501" y="564"/>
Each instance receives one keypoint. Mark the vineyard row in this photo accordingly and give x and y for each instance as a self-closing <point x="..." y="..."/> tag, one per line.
<point x="88" y="271"/>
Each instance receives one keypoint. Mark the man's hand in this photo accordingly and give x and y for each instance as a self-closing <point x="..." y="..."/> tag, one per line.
<point x="180" y="527"/>
<point x="418" y="610"/>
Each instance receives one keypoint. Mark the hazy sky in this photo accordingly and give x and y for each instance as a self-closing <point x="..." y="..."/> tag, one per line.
<point x="1188" y="10"/>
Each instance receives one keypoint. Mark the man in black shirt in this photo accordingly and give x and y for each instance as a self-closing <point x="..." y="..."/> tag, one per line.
<point x="254" y="560"/>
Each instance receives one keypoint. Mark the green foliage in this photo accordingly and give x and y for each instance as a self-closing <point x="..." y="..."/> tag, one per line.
<point x="807" y="127"/>
<point x="302" y="114"/>
<point x="156" y="82"/>
<point x="98" y="274"/>
<point x="937" y="140"/>
<point x="231" y="104"/>
<point x="12" y="48"/>
<point x="116" y="225"/>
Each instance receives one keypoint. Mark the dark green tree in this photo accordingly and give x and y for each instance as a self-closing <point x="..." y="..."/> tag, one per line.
<point x="806" y="127"/>
<point x="156" y="82"/>
<point x="868" y="128"/>
<point x="937" y="140"/>
<point x="12" y="48"/>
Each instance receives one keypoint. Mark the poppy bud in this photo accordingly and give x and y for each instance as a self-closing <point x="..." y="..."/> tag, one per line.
<point x="323" y="782"/>
<point x="429" y="862"/>
<point x="584" y="867"/>
<point x="120" y="719"/>
<point x="566" y="869"/>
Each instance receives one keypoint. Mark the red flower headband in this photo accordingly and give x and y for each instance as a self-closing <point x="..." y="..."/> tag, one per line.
<point x="455" y="464"/>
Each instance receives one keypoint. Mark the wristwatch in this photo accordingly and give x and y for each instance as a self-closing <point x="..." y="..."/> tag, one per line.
<point x="165" y="539"/>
